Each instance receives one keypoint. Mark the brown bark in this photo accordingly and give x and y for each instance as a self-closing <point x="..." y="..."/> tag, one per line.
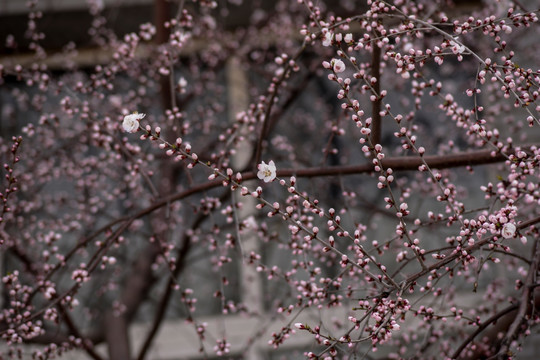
<point x="376" y="119"/>
<point x="135" y="291"/>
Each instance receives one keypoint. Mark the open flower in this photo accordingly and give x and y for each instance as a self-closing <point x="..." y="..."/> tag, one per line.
<point x="131" y="122"/>
<point x="457" y="48"/>
<point x="267" y="172"/>
<point x="508" y="230"/>
<point x="338" y="65"/>
<point x="327" y="38"/>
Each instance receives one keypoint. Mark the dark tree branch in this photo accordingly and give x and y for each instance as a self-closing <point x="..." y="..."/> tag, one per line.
<point x="293" y="95"/>
<point x="269" y="105"/>
<point x="86" y="342"/>
<point x="376" y="120"/>
<point x="525" y="306"/>
<point x="492" y="319"/>
<point x="403" y="163"/>
<point x="469" y="249"/>
<point x="135" y="291"/>
<point x="116" y="335"/>
<point x="162" y="10"/>
<point x="165" y="299"/>
<point x="57" y="338"/>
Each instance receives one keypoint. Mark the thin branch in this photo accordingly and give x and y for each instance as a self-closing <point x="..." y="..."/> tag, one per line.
<point x="453" y="256"/>
<point x="271" y="101"/>
<point x="73" y="329"/>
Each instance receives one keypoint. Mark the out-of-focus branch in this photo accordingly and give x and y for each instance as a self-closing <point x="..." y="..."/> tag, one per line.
<point x="134" y="292"/>
<point x="116" y="335"/>
<point x="376" y="120"/>
<point x="270" y="103"/>
<point x="54" y="336"/>
<point x="501" y="321"/>
<point x="86" y="342"/>
<point x="293" y="95"/>
<point x="165" y="299"/>
<point x="492" y="319"/>
<point x="140" y="280"/>
<point x="525" y="305"/>
<point x="161" y="16"/>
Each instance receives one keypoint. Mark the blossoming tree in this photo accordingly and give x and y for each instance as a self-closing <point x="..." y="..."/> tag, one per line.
<point x="381" y="159"/>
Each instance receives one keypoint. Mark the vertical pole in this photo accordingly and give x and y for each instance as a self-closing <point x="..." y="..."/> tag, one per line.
<point x="250" y="281"/>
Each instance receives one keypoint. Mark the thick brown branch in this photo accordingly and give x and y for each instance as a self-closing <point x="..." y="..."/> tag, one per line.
<point x="135" y="291"/>
<point x="403" y="163"/>
<point x="116" y="334"/>
<point x="376" y="120"/>
<point x="270" y="103"/>
<point x="165" y="299"/>
<point x="525" y="303"/>
<point x="508" y="310"/>
<point x="161" y="16"/>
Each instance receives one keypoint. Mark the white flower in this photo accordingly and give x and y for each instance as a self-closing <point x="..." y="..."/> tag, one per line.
<point x="407" y="47"/>
<point x="457" y="48"/>
<point x="327" y="38"/>
<point x="508" y="230"/>
<point x="339" y="66"/>
<point x="182" y="82"/>
<point x="267" y="172"/>
<point x="348" y="38"/>
<point x="131" y="122"/>
<point x="250" y="223"/>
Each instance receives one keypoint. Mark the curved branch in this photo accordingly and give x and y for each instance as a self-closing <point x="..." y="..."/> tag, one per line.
<point x="165" y="299"/>
<point x="135" y="291"/>
<point x="482" y="327"/>
<point x="525" y="305"/>
<point x="271" y="101"/>
<point x="448" y="259"/>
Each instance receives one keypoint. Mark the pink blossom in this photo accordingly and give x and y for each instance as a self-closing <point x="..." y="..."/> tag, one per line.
<point x="457" y="47"/>
<point x="338" y="65"/>
<point x="327" y="38"/>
